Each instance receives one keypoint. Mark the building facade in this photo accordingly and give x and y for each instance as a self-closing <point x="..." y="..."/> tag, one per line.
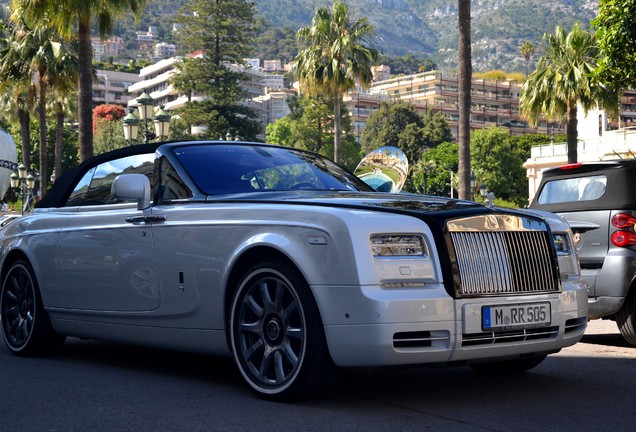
<point x="493" y="102"/>
<point x="164" y="50"/>
<point x="154" y="80"/>
<point x="264" y="92"/>
<point x="112" y="87"/>
<point x="269" y="107"/>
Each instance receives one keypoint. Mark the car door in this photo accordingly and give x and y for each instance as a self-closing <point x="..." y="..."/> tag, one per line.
<point x="190" y="255"/>
<point x="105" y="262"/>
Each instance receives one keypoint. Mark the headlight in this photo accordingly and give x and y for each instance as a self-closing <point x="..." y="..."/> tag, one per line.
<point x="562" y="244"/>
<point x="566" y="254"/>
<point x="402" y="260"/>
<point x="402" y="245"/>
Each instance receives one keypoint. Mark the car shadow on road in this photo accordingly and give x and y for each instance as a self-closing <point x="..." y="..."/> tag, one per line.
<point x="150" y="361"/>
<point x="609" y="339"/>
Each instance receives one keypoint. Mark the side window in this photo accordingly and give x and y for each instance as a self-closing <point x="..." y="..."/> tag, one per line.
<point x="171" y="187"/>
<point x="78" y="196"/>
<point x="94" y="187"/>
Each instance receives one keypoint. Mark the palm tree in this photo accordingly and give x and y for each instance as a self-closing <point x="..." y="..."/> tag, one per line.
<point x="63" y="82"/>
<point x="464" y="76"/>
<point x="527" y="50"/>
<point x="18" y="93"/>
<point x="78" y="15"/>
<point x="39" y="51"/>
<point x="334" y="56"/>
<point x="562" y="81"/>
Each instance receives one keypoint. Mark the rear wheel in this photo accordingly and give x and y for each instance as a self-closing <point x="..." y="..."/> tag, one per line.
<point x="626" y="318"/>
<point x="26" y="327"/>
<point x="509" y="366"/>
<point x="276" y="334"/>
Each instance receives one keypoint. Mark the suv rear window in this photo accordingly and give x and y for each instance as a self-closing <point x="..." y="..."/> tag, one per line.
<point x="573" y="190"/>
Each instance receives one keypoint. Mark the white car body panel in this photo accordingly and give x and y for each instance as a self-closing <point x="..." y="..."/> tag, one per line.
<point x="165" y="275"/>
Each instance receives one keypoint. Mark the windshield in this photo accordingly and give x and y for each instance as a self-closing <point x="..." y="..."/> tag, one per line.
<point x="573" y="189"/>
<point x="232" y="168"/>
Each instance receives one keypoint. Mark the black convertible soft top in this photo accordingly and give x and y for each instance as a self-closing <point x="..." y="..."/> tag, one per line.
<point x="620" y="193"/>
<point x="59" y="193"/>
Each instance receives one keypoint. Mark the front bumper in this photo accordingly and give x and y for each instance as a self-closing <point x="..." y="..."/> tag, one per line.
<point x="371" y="326"/>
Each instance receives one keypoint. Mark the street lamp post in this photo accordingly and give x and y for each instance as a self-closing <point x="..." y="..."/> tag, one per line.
<point x="132" y="122"/>
<point x="131" y="126"/>
<point x="473" y="183"/>
<point x="162" y="123"/>
<point x="25" y="183"/>
<point x="488" y="197"/>
<point x="483" y="191"/>
<point x="146" y="108"/>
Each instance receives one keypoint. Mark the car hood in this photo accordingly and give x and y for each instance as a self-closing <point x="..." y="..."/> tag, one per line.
<point x="422" y="206"/>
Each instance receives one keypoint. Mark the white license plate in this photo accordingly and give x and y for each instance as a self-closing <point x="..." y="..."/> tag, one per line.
<point x="504" y="317"/>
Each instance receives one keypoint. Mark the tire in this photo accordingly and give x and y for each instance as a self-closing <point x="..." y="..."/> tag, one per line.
<point x="26" y="327"/>
<point x="276" y="335"/>
<point x="509" y="366"/>
<point x="626" y="318"/>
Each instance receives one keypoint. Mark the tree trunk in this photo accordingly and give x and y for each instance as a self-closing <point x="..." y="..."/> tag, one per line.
<point x="464" y="77"/>
<point x="85" y="96"/>
<point x="337" y="142"/>
<point x="42" y="130"/>
<point x="59" y="136"/>
<point x="25" y="136"/>
<point x="572" y="132"/>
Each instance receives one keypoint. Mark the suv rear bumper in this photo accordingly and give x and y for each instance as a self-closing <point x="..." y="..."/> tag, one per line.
<point x="609" y="285"/>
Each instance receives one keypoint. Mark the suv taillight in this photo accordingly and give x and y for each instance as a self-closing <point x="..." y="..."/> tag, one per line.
<point x="623" y="220"/>
<point x="623" y="238"/>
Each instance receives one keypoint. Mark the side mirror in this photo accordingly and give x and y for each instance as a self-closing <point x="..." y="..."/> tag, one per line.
<point x="132" y="187"/>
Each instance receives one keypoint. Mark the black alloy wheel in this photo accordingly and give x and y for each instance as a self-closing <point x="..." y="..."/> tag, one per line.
<point x="276" y="335"/>
<point x="25" y="325"/>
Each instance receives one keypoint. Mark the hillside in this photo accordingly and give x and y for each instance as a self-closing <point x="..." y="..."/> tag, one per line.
<point x="424" y="28"/>
<point x="429" y="27"/>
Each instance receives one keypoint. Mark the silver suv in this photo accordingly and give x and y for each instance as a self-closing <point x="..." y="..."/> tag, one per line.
<point x="598" y="200"/>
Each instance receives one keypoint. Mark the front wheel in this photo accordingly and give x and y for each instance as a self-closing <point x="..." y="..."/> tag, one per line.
<point x="276" y="334"/>
<point x="626" y="318"/>
<point x="26" y="327"/>
<point x="509" y="366"/>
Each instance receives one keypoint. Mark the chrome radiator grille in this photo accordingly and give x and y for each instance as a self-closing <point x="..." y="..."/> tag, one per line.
<point x="495" y="262"/>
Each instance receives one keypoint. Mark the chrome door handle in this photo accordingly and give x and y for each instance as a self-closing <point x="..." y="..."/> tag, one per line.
<point x="145" y="219"/>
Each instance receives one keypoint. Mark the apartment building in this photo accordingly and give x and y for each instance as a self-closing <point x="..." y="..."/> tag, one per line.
<point x="272" y="66"/>
<point x="148" y="38"/>
<point x="493" y="102"/>
<point x="258" y="82"/>
<point x="112" y="87"/>
<point x="264" y="92"/>
<point x="154" y="80"/>
<point x="381" y="73"/>
<point x="98" y="48"/>
<point x="496" y="103"/>
<point x="164" y="50"/>
<point x="113" y="46"/>
<point x="269" y="107"/>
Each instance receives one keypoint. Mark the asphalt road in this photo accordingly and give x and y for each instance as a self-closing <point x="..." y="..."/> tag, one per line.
<point x="95" y="386"/>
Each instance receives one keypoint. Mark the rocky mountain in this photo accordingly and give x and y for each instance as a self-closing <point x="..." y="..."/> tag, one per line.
<point x="424" y="28"/>
<point x="429" y="27"/>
